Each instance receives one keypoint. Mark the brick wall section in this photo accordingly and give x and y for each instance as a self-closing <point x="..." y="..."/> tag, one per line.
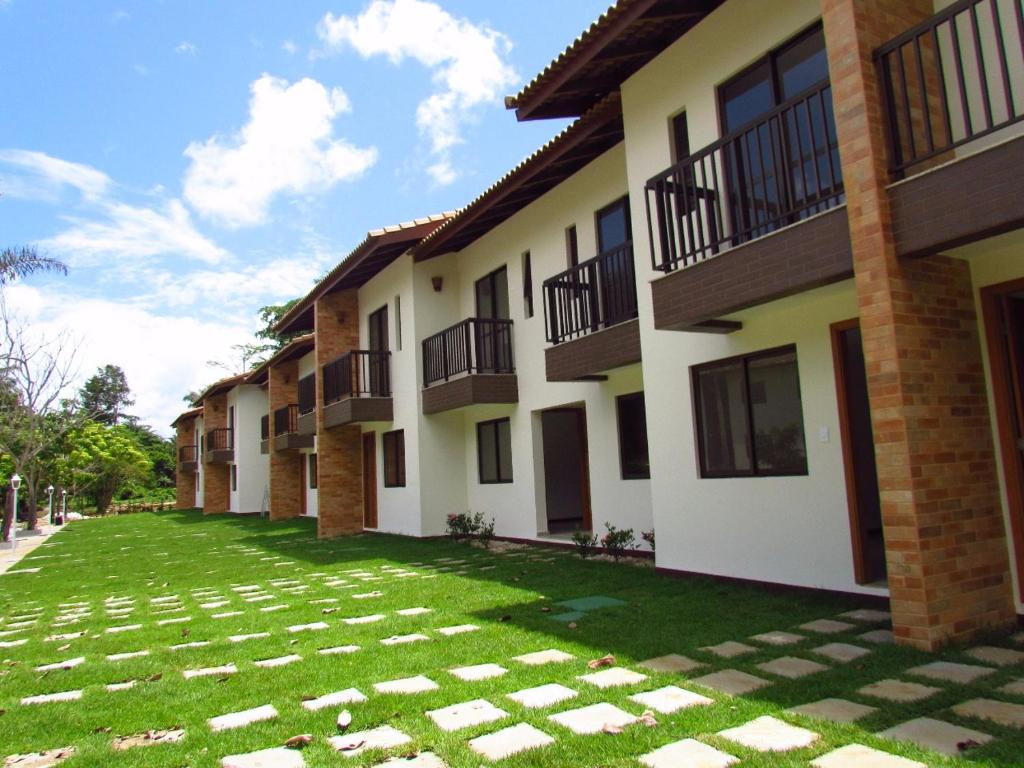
<point x="339" y="460"/>
<point x="945" y="544"/>
<point x="594" y="354"/>
<point x="479" y="388"/>
<point x="185" y="482"/>
<point x="285" y="466"/>
<point x="216" y="477"/>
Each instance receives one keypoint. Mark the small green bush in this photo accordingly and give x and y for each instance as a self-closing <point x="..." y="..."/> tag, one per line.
<point x="648" y="536"/>
<point x="585" y="542"/>
<point x="617" y="542"/>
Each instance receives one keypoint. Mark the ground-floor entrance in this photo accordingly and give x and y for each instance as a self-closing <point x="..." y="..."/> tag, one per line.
<point x="370" y="480"/>
<point x="566" y="474"/>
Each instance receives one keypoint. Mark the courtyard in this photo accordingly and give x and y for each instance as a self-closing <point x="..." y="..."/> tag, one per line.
<point x="172" y="639"/>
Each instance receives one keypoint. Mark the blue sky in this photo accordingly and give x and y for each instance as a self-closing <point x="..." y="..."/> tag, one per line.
<point x="193" y="161"/>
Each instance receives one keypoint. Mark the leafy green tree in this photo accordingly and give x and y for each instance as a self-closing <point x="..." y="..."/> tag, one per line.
<point x="106" y="396"/>
<point x="270" y="316"/>
<point x="22" y="262"/>
<point x="161" y="453"/>
<point x="101" y="460"/>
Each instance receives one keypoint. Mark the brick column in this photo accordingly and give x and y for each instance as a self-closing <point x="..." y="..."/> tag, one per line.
<point x="285" y="466"/>
<point x="217" y="477"/>
<point x="945" y="544"/>
<point x="185" y="481"/>
<point x="339" y="457"/>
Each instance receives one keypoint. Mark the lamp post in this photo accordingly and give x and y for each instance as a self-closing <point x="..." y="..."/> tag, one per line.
<point x="63" y="506"/>
<point x="15" y="485"/>
<point x="49" y="492"/>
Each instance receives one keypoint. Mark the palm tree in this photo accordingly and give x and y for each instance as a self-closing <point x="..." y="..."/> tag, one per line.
<point x="21" y="262"/>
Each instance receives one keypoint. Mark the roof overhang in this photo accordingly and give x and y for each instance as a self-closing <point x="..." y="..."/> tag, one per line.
<point x="221" y="386"/>
<point x="186" y="416"/>
<point x="625" y="38"/>
<point x="294" y="349"/>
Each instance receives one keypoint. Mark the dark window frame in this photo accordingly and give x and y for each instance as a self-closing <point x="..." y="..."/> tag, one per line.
<point x="377" y="325"/>
<point x="493" y="424"/>
<point x="623" y="203"/>
<point x="492" y="278"/>
<point x="394" y="441"/>
<point x="745" y="359"/>
<point x="572" y="246"/>
<point x="234" y="478"/>
<point x="527" y="285"/>
<point x="619" y="401"/>
<point x="312" y="472"/>
<point x="680" y="131"/>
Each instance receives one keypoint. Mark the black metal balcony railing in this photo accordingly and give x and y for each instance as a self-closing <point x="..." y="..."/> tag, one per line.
<point x="952" y="79"/>
<point x="188" y="454"/>
<point x="307" y="394"/>
<point x="475" y="345"/>
<point x="286" y="420"/>
<point x="221" y="439"/>
<point x="359" y="373"/>
<point x="265" y="427"/>
<point x="751" y="182"/>
<point x="596" y="293"/>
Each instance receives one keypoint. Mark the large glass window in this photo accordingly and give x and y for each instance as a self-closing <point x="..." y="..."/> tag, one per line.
<point x="494" y="451"/>
<point x="633" y="456"/>
<point x="394" y="459"/>
<point x="750" y="416"/>
<point x="613" y="225"/>
<point x="311" y="468"/>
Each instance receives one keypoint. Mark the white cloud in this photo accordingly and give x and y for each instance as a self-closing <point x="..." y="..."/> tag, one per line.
<point x="141" y="70"/>
<point x="43" y="174"/>
<point x="289" y="47"/>
<point x="467" y="61"/>
<point x="287" y="146"/>
<point x="186" y="48"/>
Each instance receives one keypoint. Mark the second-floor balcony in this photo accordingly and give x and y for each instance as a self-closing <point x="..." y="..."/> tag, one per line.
<point x="469" y="363"/>
<point x="286" y="429"/>
<point x="220" y="445"/>
<point x="188" y="458"/>
<point x="265" y="433"/>
<point x="357" y="388"/>
<point x="307" y="405"/>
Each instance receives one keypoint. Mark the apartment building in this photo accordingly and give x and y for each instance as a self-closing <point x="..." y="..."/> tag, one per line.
<point x="763" y="296"/>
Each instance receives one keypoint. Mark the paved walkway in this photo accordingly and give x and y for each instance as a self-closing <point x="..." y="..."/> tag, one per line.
<point x="27" y="541"/>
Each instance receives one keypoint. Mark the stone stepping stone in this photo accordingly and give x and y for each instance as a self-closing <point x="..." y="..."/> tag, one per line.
<point x="593" y="719"/>
<point x="841" y="652"/>
<point x="272" y="608"/>
<point x="417" y="684"/>
<point x="672" y="663"/>
<point x="458" y="629"/>
<point x="827" y="626"/>
<point x="241" y="719"/>
<point x="115" y="687"/>
<point x="192" y="644"/>
<point x="258" y="598"/>
<point x="1002" y="712"/>
<point x="791" y="667"/>
<point x="348" y="696"/>
<point x="835" y="710"/>
<point x="1014" y="688"/>
<point x="403" y="639"/>
<point x="478" y="672"/>
<point x="165" y="600"/>
<point x="897" y="690"/>
<point x="225" y="669"/>
<point x="276" y="757"/>
<point x="367" y="595"/>
<point x="732" y="682"/>
<point x="613" y="677"/>
<point x="148" y="739"/>
<point x="729" y="649"/>
<point x="950" y="672"/>
<point x="859" y="756"/>
<point x="384" y="737"/>
<point x="226" y="615"/>
<point x="313" y="627"/>
<point x="510" y="741"/>
<point x="670" y="699"/>
<point x="687" y="753"/>
<point x="278" y="661"/>
<point x="365" y="619"/>
<point x="46" y="759"/>
<point x="124" y="628"/>
<point x="1001" y="657"/>
<point x="414" y="611"/>
<point x="878" y="636"/>
<point x="778" y="638"/>
<point x="13" y="643"/>
<point x="49" y="698"/>
<point x="466" y="715"/>
<point x="127" y="655"/>
<point x="67" y="664"/>
<point x="769" y="734"/>
<point x="537" y="658"/>
<point x="422" y="760"/>
<point x="338" y="649"/>
<point x="250" y="636"/>
<point x="214" y="604"/>
<point x="542" y="695"/>
<point x="935" y="735"/>
<point x="248" y="588"/>
<point x="867" y="615"/>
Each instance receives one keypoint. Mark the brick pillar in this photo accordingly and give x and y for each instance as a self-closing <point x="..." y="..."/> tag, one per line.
<point x="339" y="456"/>
<point x="285" y="466"/>
<point x="945" y="544"/>
<point x="185" y="481"/>
<point x="217" y="477"/>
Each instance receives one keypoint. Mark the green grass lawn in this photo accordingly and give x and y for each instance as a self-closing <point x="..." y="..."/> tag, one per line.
<point x="148" y="556"/>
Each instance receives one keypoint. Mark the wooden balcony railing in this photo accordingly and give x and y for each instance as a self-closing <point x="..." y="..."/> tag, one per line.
<point x="188" y="454"/>
<point x="475" y="345"/>
<point x="359" y="373"/>
<point x="265" y="427"/>
<point x="596" y="293"/>
<point x="221" y="439"/>
<point x="954" y="78"/>
<point x="286" y="420"/>
<point x="772" y="173"/>
<point x="307" y="394"/>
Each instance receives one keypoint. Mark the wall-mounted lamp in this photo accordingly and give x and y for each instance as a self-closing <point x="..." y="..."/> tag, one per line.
<point x="437" y="281"/>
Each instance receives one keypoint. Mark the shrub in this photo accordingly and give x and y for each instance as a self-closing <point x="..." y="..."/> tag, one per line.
<point x="460" y="526"/>
<point x="584" y="541"/>
<point x="648" y="536"/>
<point x="617" y="541"/>
<point x="485" y="531"/>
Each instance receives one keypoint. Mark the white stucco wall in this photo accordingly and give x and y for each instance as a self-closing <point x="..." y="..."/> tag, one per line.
<point x="250" y="404"/>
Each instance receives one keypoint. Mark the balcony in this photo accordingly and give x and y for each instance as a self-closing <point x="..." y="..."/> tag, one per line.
<point x="596" y="295"/>
<point x="470" y="363"/>
<point x="758" y="211"/>
<point x="188" y="458"/>
<point x="307" y="405"/>
<point x="953" y="98"/>
<point x="357" y="388"/>
<point x="265" y="433"/>
<point x="220" y="446"/>
<point x="286" y="430"/>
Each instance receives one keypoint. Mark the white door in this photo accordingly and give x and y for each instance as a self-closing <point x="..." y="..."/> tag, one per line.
<point x="312" y="495"/>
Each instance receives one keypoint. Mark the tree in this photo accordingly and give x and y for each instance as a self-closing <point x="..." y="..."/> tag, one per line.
<point x="21" y="262"/>
<point x="270" y="316"/>
<point x="106" y="396"/>
<point x="244" y="358"/>
<point x="101" y="459"/>
<point x="161" y="453"/>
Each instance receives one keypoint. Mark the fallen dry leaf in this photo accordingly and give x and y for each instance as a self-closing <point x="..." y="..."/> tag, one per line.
<point x="612" y="729"/>
<point x="648" y="719"/>
<point x="572" y="625"/>
<point x="302" y="740"/>
<point x="353" y="745"/>
<point x="604" y="661"/>
<point x="966" y="744"/>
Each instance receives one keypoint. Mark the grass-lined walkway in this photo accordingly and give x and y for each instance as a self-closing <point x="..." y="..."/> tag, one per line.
<point x="253" y="604"/>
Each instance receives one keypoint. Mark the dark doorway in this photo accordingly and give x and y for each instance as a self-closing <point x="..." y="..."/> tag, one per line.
<point x="566" y="477"/>
<point x="378" y="338"/>
<point x="492" y="310"/>
<point x="859" y="454"/>
<point x="370" y="480"/>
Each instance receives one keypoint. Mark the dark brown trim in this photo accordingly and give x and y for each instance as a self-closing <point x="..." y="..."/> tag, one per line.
<point x="369" y="466"/>
<point x="353" y="410"/>
<point x="394" y="441"/>
<point x="499" y="480"/>
<point x="474" y="389"/>
<point x="619" y="400"/>
<point x="584" y="358"/>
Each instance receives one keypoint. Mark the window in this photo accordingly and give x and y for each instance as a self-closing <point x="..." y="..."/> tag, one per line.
<point x="527" y="286"/>
<point x="680" y="138"/>
<point x="311" y="471"/>
<point x="633" y="457"/>
<point x="398" y="323"/>
<point x="492" y="295"/>
<point x="394" y="459"/>
<point x="572" y="246"/>
<point x="613" y="225"/>
<point x="750" y="416"/>
<point x="377" y="325"/>
<point x="234" y="477"/>
<point x="494" y="451"/>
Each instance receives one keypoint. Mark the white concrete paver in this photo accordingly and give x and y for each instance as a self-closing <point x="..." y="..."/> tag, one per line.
<point x="613" y="677"/>
<point x="384" y="737"/>
<point x="672" y="663"/>
<point x="417" y="684"/>
<point x="542" y="695"/>
<point x="466" y="715"/>
<point x="593" y="719"/>
<point x="537" y="658"/>
<point x="859" y="756"/>
<point x="347" y="696"/>
<point x="478" y="672"/>
<point x="835" y="710"/>
<point x="934" y="734"/>
<point x="243" y="718"/>
<point x="769" y="734"/>
<point x="670" y="699"/>
<point x="276" y="757"/>
<point x="688" y="753"/>
<point x="510" y="741"/>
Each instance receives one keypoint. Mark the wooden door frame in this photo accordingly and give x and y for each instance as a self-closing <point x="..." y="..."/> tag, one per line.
<point x="369" y="479"/>
<point x="581" y="424"/>
<point x="303" y="463"/>
<point x="999" y="374"/>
